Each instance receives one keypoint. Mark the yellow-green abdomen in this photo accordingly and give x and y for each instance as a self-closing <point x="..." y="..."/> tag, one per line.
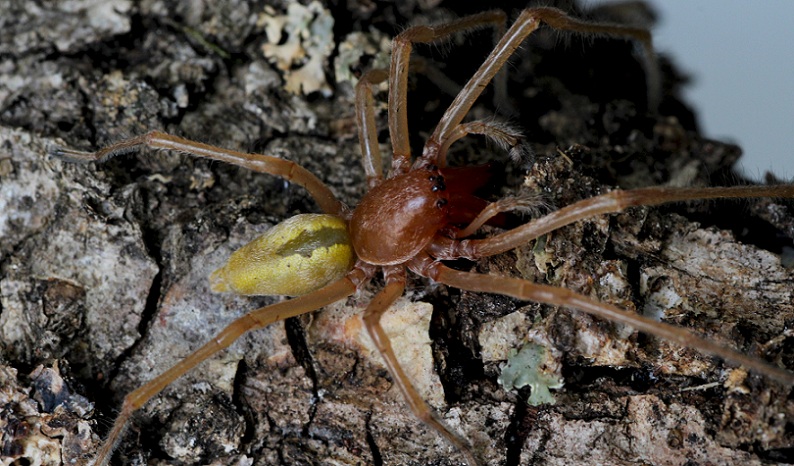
<point x="295" y="257"/>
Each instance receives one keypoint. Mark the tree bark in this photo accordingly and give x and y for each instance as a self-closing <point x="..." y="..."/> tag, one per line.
<point x="103" y="269"/>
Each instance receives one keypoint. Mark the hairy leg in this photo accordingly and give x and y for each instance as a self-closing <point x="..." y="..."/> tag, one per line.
<point x="506" y="137"/>
<point x="528" y="21"/>
<point x="253" y="320"/>
<point x="526" y="290"/>
<point x="398" y="75"/>
<point x="609" y="203"/>
<point x="367" y="129"/>
<point x="395" y="285"/>
<point x="275" y="166"/>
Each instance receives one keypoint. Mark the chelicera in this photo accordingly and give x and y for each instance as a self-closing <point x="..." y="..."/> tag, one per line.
<point x="414" y="217"/>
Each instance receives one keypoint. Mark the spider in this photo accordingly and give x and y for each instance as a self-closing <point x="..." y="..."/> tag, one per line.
<point x="414" y="217"/>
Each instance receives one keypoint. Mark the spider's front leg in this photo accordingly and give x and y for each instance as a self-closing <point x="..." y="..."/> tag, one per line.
<point x="527" y="22"/>
<point x="398" y="75"/>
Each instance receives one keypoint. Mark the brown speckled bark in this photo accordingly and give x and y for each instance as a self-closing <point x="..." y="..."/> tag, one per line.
<point x="103" y="270"/>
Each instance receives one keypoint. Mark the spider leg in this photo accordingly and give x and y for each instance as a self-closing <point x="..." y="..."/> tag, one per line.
<point x="395" y="285"/>
<point x="609" y="203"/>
<point x="398" y="75"/>
<point x="528" y="203"/>
<point x="367" y="129"/>
<point x="507" y="138"/>
<point x="253" y="320"/>
<point x="556" y="296"/>
<point x="528" y="21"/>
<point x="275" y="166"/>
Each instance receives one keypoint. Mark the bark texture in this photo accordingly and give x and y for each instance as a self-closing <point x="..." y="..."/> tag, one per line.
<point x="103" y="269"/>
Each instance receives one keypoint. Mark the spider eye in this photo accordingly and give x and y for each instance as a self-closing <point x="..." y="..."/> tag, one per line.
<point x="439" y="184"/>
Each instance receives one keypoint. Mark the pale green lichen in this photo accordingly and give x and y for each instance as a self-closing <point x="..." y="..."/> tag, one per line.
<point x="309" y="41"/>
<point x="356" y="45"/>
<point x="529" y="367"/>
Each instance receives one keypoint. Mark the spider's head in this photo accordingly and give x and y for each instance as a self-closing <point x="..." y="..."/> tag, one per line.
<point x="400" y="216"/>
